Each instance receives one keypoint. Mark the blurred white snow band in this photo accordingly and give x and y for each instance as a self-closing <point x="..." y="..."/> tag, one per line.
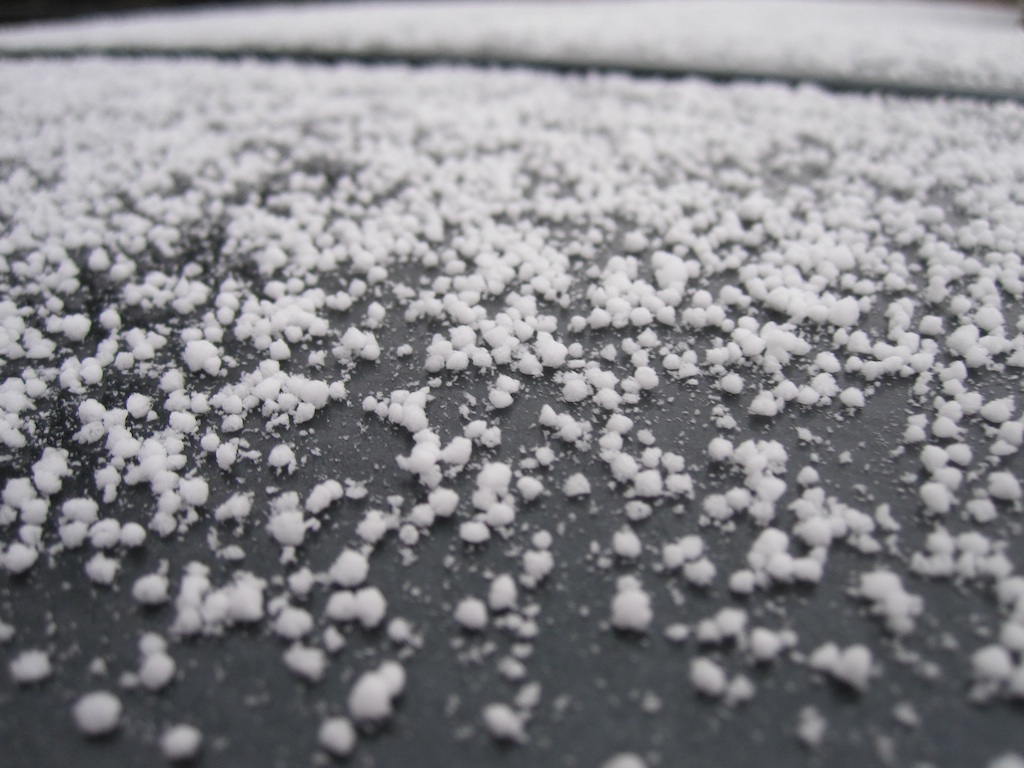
<point x="929" y="45"/>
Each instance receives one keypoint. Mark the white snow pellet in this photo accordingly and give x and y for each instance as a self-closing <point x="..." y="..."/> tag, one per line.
<point x="301" y="582"/>
<point x="305" y="662"/>
<point x="323" y="495"/>
<point x="337" y="736"/>
<point x="32" y="666"/>
<point x="105" y="534"/>
<point x="742" y="582"/>
<point x="808" y="476"/>
<point x="537" y="565"/>
<point x="394" y="677"/>
<point x="811" y="727"/>
<point x="631" y="607"/>
<point x="677" y="632"/>
<point x="157" y="670"/>
<point x="720" y="449"/>
<point x="75" y="327"/>
<point x="991" y="663"/>
<point x="458" y="452"/>
<point x="201" y="355"/>
<point x="576" y="485"/>
<point x="139" y="405"/>
<point x="708" y="677"/>
<point x="619" y="423"/>
<point x="181" y="742"/>
<point x="369" y="700"/>
<point x="852" y="397"/>
<point x="370" y="607"/>
<point x="741" y="689"/>
<point x="495" y="477"/>
<point x="646" y="377"/>
<point x="504" y="723"/>
<point x="237" y="507"/>
<point x="626" y="544"/>
<point x="102" y="569"/>
<point x="282" y="457"/>
<point x="471" y="613"/>
<point x="443" y="501"/>
<point x="764" y="404"/>
<point x="341" y="606"/>
<point x="474" y="532"/>
<point x="503" y="594"/>
<point x="851" y="665"/>
<point x="998" y="411"/>
<point x="400" y="631"/>
<point x="937" y="498"/>
<point x="730" y="622"/>
<point x="500" y="399"/>
<point x="49" y="471"/>
<point x="349" y="569"/>
<point x="97" y="713"/>
<point x="529" y="488"/>
<point x="765" y="645"/>
<point x="732" y="383"/>
<point x="844" y="313"/>
<point x="293" y="623"/>
<point x="981" y="510"/>
<point x="552" y="353"/>
<point x="226" y="454"/>
<point x="499" y="515"/>
<point x="1004" y="486"/>
<point x="700" y="572"/>
<point x="18" y="557"/>
<point x="151" y="589"/>
<point x="288" y="527"/>
<point x="132" y="535"/>
<point x="899" y="608"/>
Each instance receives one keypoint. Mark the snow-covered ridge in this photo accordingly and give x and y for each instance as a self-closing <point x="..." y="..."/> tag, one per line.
<point x="930" y="45"/>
